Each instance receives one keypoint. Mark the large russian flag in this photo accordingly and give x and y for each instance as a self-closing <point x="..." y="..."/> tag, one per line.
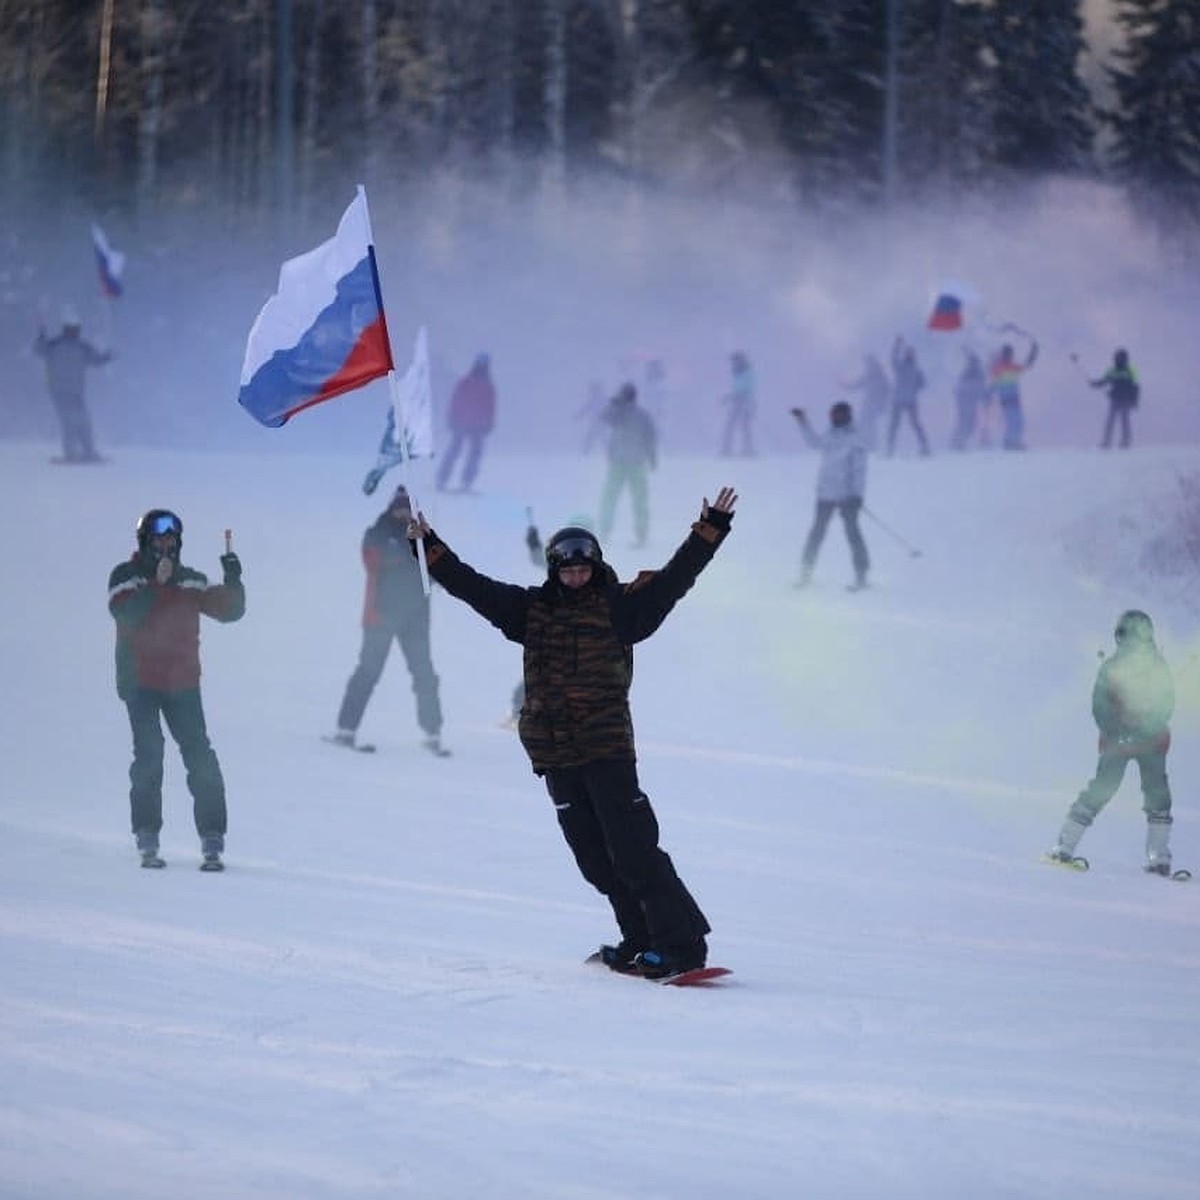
<point x="323" y="332"/>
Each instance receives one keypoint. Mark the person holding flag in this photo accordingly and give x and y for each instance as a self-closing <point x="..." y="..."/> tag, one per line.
<point x="395" y="606"/>
<point x="68" y="355"/>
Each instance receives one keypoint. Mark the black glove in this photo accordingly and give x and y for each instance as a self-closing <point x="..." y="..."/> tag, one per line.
<point x="532" y="540"/>
<point x="232" y="566"/>
<point x="718" y="519"/>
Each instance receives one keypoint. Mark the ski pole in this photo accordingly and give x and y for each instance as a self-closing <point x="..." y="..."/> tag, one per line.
<point x="912" y="550"/>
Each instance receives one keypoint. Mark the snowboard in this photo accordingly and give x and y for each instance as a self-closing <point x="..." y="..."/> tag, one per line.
<point x="697" y="977"/>
<point x="1179" y="875"/>
<point x="59" y="461"/>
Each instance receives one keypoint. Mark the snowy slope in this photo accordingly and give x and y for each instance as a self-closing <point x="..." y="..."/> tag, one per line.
<point x="383" y="996"/>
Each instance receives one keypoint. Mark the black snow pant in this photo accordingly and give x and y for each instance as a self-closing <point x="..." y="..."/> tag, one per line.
<point x="613" y="833"/>
<point x="413" y="636"/>
<point x="849" y="510"/>
<point x="184" y="715"/>
<point x="75" y="426"/>
<point x="1117" y="413"/>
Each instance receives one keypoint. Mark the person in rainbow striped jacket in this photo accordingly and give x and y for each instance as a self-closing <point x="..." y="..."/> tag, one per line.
<point x="1004" y="383"/>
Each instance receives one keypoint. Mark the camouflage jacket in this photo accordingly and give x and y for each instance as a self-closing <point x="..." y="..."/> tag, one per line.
<point x="578" y="664"/>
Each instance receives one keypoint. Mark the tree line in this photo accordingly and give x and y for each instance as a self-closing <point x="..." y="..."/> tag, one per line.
<point x="256" y="105"/>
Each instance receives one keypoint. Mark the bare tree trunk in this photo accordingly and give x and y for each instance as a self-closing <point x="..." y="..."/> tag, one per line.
<point x="437" y="56"/>
<point x="311" y="109"/>
<point x="502" y="79"/>
<point x="265" y="61"/>
<point x="554" y="96"/>
<point x="151" y="35"/>
<point x="370" y="89"/>
<point x="103" y="68"/>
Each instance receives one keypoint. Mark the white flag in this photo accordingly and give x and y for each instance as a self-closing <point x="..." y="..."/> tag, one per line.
<point x="414" y="403"/>
<point x="409" y="429"/>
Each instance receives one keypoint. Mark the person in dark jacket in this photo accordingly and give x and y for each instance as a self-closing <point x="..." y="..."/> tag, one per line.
<point x="908" y="380"/>
<point x="1133" y="700"/>
<point x="578" y="629"/>
<point x="877" y="392"/>
<point x="394" y="606"/>
<point x="970" y="394"/>
<point x="471" y="418"/>
<point x="156" y="602"/>
<point x="841" y="487"/>
<point x="68" y="356"/>
<point x="1123" y="394"/>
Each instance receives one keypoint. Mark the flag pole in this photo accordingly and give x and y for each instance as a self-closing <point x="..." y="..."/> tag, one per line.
<point x="394" y="389"/>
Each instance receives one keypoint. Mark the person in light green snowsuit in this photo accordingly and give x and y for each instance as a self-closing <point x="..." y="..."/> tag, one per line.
<point x="632" y="454"/>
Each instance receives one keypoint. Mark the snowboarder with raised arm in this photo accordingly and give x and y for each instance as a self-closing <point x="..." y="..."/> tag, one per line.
<point x="578" y="629"/>
<point x="1132" y="702"/>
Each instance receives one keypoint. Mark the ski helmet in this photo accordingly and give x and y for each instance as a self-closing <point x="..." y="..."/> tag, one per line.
<point x="401" y="500"/>
<point x="572" y="546"/>
<point x="155" y="523"/>
<point x="841" y="414"/>
<point x="1134" y="626"/>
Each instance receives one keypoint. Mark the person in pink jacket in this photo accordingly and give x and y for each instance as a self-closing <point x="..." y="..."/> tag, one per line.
<point x="471" y="418"/>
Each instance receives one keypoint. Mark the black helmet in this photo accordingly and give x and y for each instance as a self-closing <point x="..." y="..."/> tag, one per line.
<point x="1134" y="626"/>
<point x="1121" y="359"/>
<point x="155" y="523"/>
<point x="841" y="414"/>
<point x="572" y="546"/>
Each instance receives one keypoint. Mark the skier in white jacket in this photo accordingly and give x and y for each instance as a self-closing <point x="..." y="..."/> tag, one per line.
<point x="841" y="485"/>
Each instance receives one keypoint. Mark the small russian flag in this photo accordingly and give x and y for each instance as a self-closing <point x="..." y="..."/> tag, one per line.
<point x="110" y="264"/>
<point x="947" y="313"/>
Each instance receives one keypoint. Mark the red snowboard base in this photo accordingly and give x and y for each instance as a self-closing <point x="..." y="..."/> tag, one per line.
<point x="700" y="977"/>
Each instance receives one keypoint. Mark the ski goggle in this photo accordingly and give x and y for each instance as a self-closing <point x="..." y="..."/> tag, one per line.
<point x="165" y="523"/>
<point x="572" y="550"/>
